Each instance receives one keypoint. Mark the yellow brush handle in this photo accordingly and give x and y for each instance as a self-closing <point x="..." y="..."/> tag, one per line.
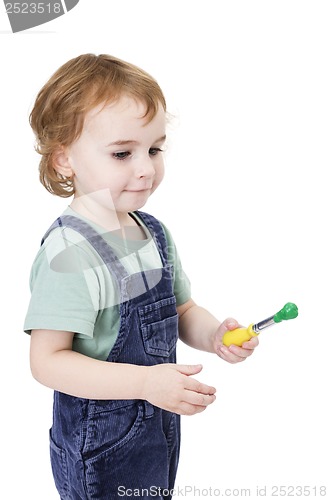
<point x="238" y="336"/>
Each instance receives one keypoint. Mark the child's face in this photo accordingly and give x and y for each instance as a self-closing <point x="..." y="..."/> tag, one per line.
<point x="117" y="160"/>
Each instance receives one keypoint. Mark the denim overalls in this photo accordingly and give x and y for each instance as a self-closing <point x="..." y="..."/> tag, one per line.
<point x="111" y="449"/>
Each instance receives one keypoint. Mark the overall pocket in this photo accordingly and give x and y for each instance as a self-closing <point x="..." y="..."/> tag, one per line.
<point x="159" y="326"/>
<point x="139" y="459"/>
<point x="59" y="468"/>
<point x="110" y="425"/>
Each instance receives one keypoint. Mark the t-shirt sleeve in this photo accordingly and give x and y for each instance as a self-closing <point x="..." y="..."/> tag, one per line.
<point x="61" y="296"/>
<point x="182" y="288"/>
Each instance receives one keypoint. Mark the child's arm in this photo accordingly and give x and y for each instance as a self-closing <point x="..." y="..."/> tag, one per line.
<point x="199" y="329"/>
<point x="169" y="386"/>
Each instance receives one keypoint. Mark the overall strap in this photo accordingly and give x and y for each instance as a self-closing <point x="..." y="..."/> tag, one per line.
<point x="96" y="241"/>
<point x="157" y="232"/>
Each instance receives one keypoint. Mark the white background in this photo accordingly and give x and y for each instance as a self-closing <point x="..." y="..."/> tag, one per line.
<point x="245" y="198"/>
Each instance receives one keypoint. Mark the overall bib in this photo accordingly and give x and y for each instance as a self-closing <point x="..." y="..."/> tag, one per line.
<point x="111" y="449"/>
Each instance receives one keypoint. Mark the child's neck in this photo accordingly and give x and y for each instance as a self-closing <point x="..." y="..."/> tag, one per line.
<point x="110" y="220"/>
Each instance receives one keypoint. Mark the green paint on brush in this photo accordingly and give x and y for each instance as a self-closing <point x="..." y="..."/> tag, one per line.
<point x="289" y="311"/>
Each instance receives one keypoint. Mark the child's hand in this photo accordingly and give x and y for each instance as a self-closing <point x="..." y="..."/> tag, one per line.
<point x="233" y="353"/>
<point x="171" y="388"/>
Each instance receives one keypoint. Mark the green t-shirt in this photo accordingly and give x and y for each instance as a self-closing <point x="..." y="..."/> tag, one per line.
<point x="72" y="289"/>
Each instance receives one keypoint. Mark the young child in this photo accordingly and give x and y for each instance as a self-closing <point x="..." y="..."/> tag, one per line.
<point x="109" y="295"/>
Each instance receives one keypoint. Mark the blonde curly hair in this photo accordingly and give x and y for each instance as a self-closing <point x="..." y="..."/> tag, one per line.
<point x="79" y="85"/>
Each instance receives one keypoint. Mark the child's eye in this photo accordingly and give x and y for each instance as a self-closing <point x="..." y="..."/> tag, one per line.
<point x="155" y="151"/>
<point x="121" y="155"/>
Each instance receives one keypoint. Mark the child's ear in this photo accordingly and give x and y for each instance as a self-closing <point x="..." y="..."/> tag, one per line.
<point x="61" y="162"/>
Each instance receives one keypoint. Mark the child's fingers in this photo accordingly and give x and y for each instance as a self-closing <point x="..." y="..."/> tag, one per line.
<point x="229" y="324"/>
<point x="194" y="403"/>
<point x="188" y="409"/>
<point x="196" y="399"/>
<point x="251" y="344"/>
<point x="198" y="387"/>
<point x="241" y="352"/>
<point x="234" y="354"/>
<point x="229" y="356"/>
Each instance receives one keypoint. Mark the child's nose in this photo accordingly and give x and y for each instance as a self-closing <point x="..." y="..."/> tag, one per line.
<point x="145" y="168"/>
